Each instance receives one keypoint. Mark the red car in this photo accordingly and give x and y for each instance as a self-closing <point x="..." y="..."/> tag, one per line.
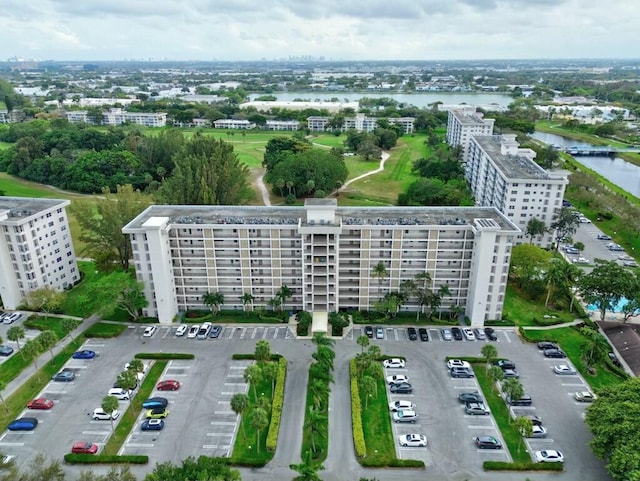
<point x="84" y="447"/>
<point x="40" y="403"/>
<point x="168" y="385"/>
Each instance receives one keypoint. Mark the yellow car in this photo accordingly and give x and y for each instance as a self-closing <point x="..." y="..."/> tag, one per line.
<point x="157" y="413"/>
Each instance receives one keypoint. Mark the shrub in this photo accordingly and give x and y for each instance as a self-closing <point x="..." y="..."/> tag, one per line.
<point x="531" y="466"/>
<point x="72" y="458"/>
<point x="276" y="407"/>
<point x="356" y="413"/>
<point x="252" y="357"/>
<point x="164" y="355"/>
<point x="391" y="463"/>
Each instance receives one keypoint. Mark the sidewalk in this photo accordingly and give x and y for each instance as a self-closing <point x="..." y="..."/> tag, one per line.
<point x="575" y="322"/>
<point x="46" y="356"/>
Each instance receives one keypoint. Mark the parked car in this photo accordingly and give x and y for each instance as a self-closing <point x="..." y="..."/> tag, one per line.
<point x="155" y="402"/>
<point x="535" y="420"/>
<point x="152" y="425"/>
<point x="524" y="400"/>
<point x="446" y="334"/>
<point x="368" y="331"/>
<point x="23" y="424"/>
<point x="120" y="394"/>
<point x="5" y="350"/>
<point x="182" y="330"/>
<point x="468" y="334"/>
<point x="145" y="367"/>
<point x="405" y="416"/>
<point x="505" y="364"/>
<point x="476" y="409"/>
<point x="548" y="456"/>
<point x="379" y="333"/>
<point x="581" y="260"/>
<point x="394" y="362"/>
<point x="571" y="250"/>
<point x="401" y="388"/>
<point x="585" y="397"/>
<point x="397" y="379"/>
<point x="64" y="376"/>
<point x="168" y="385"/>
<point x="480" y="335"/>
<point x="402" y="404"/>
<point x="463" y="372"/>
<point x="101" y="415"/>
<point x="614" y="359"/>
<point x="86" y="354"/>
<point x="451" y="363"/>
<point x="84" y="447"/>
<point x="630" y="263"/>
<point x="149" y="331"/>
<point x="491" y="334"/>
<point x="488" y="442"/>
<point x="424" y="335"/>
<point x="193" y="331"/>
<point x="216" y="330"/>
<point x="554" y="353"/>
<point x="612" y="246"/>
<point x="40" y="403"/>
<point x="204" y="331"/>
<point x="564" y="369"/>
<point x="537" y="431"/>
<point x="11" y="318"/>
<point x="510" y="373"/>
<point x="543" y="345"/>
<point x="412" y="440"/>
<point x="412" y="334"/>
<point x="604" y="237"/>
<point x="457" y="333"/>
<point x="117" y="385"/>
<point x="469" y="397"/>
<point x="156" y="413"/>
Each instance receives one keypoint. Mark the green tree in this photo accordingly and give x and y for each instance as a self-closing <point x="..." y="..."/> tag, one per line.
<point x="495" y="374"/>
<point x="535" y="227"/>
<point x="527" y="264"/>
<point x="324" y="355"/>
<point x="136" y="365"/>
<point x="48" y="340"/>
<point x="606" y="284"/>
<point x="127" y="380"/>
<point x="101" y="225"/>
<point x="239" y="405"/>
<point x="44" y="299"/>
<point x="15" y="334"/>
<point x="31" y="350"/>
<point x="263" y="351"/>
<point x="513" y="388"/>
<point x="3" y="386"/>
<point x="132" y="300"/>
<point x="69" y="325"/>
<point x="308" y="469"/>
<point x="247" y="300"/>
<point x="41" y="469"/>
<point x="214" y="300"/>
<point x="524" y="427"/>
<point x="362" y="341"/>
<point x="258" y="421"/>
<point x="560" y="275"/>
<point x="595" y="346"/>
<point x="368" y="387"/>
<point x="379" y="271"/>
<point x="270" y="373"/>
<point x="284" y="293"/>
<point x="565" y="224"/>
<point x="489" y="352"/>
<point x="253" y="376"/>
<point x="319" y="391"/>
<point x="315" y="421"/>
<point x="109" y="405"/>
<point x="320" y="339"/>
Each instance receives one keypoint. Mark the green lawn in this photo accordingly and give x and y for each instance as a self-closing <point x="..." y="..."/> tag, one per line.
<point x="105" y="330"/>
<point x="522" y="311"/>
<point x="246" y="447"/>
<point x="376" y="424"/>
<point x="329" y="140"/>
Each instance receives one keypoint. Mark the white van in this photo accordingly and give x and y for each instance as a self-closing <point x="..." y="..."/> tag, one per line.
<point x="204" y="330"/>
<point x="121" y="394"/>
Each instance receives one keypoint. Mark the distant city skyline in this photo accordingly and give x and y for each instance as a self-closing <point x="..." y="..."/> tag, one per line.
<point x="332" y="29"/>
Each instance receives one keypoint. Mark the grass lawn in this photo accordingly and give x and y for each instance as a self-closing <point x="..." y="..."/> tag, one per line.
<point x="246" y="446"/>
<point x="511" y="437"/>
<point x="522" y="311"/>
<point x="571" y="341"/>
<point x="44" y="323"/>
<point x="320" y="441"/>
<point x="105" y="330"/>
<point x="5" y="145"/>
<point x="376" y="424"/>
<point x="329" y="140"/>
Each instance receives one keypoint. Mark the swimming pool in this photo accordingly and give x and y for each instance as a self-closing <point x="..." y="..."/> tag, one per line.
<point x="617" y="308"/>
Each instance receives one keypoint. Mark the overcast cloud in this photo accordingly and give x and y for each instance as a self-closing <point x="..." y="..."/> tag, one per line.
<point x="335" y="29"/>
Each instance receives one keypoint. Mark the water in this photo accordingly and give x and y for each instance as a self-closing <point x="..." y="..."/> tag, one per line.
<point x="422" y="99"/>
<point x="617" y="308"/>
<point x="618" y="171"/>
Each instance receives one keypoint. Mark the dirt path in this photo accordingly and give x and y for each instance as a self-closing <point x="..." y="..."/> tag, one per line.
<point x="383" y="159"/>
<point x="263" y="188"/>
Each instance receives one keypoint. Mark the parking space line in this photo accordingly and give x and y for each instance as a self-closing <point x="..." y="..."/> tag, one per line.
<point x="573" y="385"/>
<point x="97" y="433"/>
<point x="224" y="423"/>
<point x="140" y="445"/>
<point x="232" y="329"/>
<point x="215" y="446"/>
<point x="166" y="333"/>
<point x="253" y="334"/>
<point x="224" y="412"/>
<point x="214" y="435"/>
<point x="224" y="402"/>
<point x="235" y="375"/>
<point x="275" y="334"/>
<point x="11" y="444"/>
<point x="482" y="427"/>
<point x="242" y="332"/>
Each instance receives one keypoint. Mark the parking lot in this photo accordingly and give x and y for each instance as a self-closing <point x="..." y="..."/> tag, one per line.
<point x="200" y="420"/>
<point x="595" y="248"/>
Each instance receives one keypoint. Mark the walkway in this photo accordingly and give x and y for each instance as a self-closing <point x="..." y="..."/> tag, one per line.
<point x="263" y="189"/>
<point x="383" y="159"/>
<point x="575" y="322"/>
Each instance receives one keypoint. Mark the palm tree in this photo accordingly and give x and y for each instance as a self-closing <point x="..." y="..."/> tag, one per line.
<point x="3" y="386"/>
<point x="409" y="289"/>
<point x="320" y="339"/>
<point x="308" y="468"/>
<point x="253" y="375"/>
<point x="524" y="426"/>
<point x="109" y="405"/>
<point x="239" y="404"/>
<point x="489" y="352"/>
<point x="315" y="422"/>
<point x="362" y="341"/>
<point x="368" y="386"/>
<point x="324" y="355"/>
<point x="48" y="340"/>
<point x="319" y="391"/>
<point x="270" y="373"/>
<point x="213" y="300"/>
<point x="495" y="374"/>
<point x="15" y="333"/>
<point x="247" y="300"/>
<point x="284" y="293"/>
<point x="443" y="291"/>
<point x="262" y="351"/>
<point x="379" y="271"/>
<point x="258" y="421"/>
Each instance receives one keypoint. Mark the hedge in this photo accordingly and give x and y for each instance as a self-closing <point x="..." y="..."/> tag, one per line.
<point x="72" y="458"/>
<point x="505" y="466"/>
<point x="356" y="413"/>
<point x="164" y="355"/>
<point x="247" y="463"/>
<point x="252" y="357"/>
<point x="392" y="463"/>
<point x="276" y="407"/>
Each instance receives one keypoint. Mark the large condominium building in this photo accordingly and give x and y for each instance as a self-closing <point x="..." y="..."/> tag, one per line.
<point x="325" y="254"/>
<point x="241" y="124"/>
<point x="35" y="247"/>
<point x="119" y="116"/>
<point x="502" y="175"/>
<point x="360" y="122"/>
<point x="465" y="123"/>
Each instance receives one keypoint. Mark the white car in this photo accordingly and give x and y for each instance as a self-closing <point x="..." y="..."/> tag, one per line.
<point x="451" y="363"/>
<point x="405" y="416"/>
<point x="145" y="367"/>
<point x="548" y="456"/>
<point x="182" y="330"/>
<point x="149" y="331"/>
<point x="398" y="378"/>
<point x="100" y="414"/>
<point x="585" y="397"/>
<point x="564" y="369"/>
<point x="538" y="431"/>
<point x="412" y="440"/>
<point x="11" y="318"/>
<point x="581" y="260"/>
<point x="393" y="363"/>
<point x="402" y="404"/>
<point x="193" y="331"/>
<point x="120" y="394"/>
<point x="468" y="334"/>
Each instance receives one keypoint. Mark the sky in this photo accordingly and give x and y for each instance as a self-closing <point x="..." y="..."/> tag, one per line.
<point x="334" y="29"/>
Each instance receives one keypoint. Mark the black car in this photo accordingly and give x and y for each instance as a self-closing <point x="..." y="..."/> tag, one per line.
<point x="401" y="388"/>
<point x="614" y="359"/>
<point x="535" y="420"/>
<point x="491" y="333"/>
<point x="461" y="372"/>
<point x="542" y="345"/>
<point x="5" y="350"/>
<point x="555" y="353"/>
<point x="488" y="442"/>
<point x="368" y="330"/>
<point x="469" y="397"/>
<point x="155" y="403"/>
<point x="412" y="333"/>
<point x="424" y="335"/>
<point x="117" y="385"/>
<point x="457" y="333"/>
<point x="505" y="364"/>
<point x="524" y="400"/>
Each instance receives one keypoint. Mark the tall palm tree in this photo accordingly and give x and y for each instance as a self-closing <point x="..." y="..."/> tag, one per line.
<point x="320" y="339"/>
<point x="379" y="271"/>
<point x="443" y="291"/>
<point x="247" y="300"/>
<point x="284" y="293"/>
<point x="213" y="300"/>
<point x="315" y="422"/>
<point x="15" y="333"/>
<point x="239" y="404"/>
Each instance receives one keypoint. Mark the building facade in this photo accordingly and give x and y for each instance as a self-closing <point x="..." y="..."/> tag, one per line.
<point x="502" y="175"/>
<point x="360" y="122"/>
<point x="287" y="125"/>
<point x="325" y="254"/>
<point x="241" y="124"/>
<point x="119" y="117"/>
<point x="463" y="124"/>
<point x="35" y="247"/>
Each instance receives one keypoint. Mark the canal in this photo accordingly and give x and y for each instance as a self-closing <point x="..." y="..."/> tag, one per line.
<point x="618" y="171"/>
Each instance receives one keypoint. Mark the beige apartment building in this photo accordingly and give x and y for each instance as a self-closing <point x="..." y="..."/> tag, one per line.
<point x="463" y="124"/>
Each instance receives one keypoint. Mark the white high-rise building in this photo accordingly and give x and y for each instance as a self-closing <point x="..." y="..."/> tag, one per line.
<point x="502" y="175"/>
<point x="325" y="254"/>
<point x="35" y="247"/>
<point x="463" y="124"/>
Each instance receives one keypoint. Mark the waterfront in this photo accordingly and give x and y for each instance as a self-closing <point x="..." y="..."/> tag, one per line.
<point x="618" y="171"/>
